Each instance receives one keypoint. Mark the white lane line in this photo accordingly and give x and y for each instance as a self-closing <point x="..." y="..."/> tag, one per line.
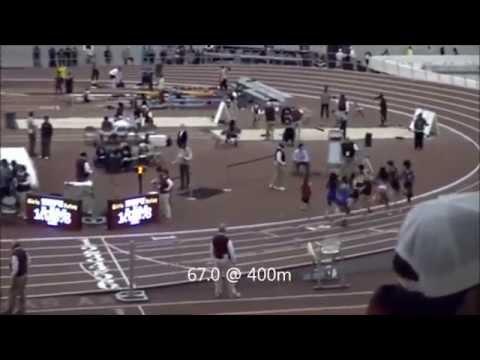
<point x="469" y="187"/>
<point x="296" y="310"/>
<point x="140" y="308"/>
<point x="384" y="231"/>
<point x="119" y="311"/>
<point x="217" y="301"/>
<point x="116" y="262"/>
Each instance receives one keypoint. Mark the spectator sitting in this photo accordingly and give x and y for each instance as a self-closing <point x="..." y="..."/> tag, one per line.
<point x="120" y="110"/>
<point x="300" y="158"/>
<point x="5" y="179"/>
<point x="231" y="133"/>
<point x="144" y="155"/>
<point x="100" y="156"/>
<point x="107" y="125"/>
<point x="436" y="260"/>
<point x="127" y="159"/>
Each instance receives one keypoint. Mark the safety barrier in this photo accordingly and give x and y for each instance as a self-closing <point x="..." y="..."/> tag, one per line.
<point x="416" y="68"/>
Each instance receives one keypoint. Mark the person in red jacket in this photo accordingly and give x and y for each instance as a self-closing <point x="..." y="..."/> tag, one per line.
<point x="306" y="192"/>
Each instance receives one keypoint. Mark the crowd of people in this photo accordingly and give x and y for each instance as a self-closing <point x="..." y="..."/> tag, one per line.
<point x="15" y="183"/>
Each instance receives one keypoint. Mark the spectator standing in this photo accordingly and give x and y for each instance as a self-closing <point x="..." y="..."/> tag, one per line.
<point x="23" y="184"/>
<point x="279" y="169"/>
<point x="37" y="56"/>
<point x="184" y="159"/>
<point x="127" y="56"/>
<point x="61" y="57"/>
<point x="325" y="99"/>
<point x="408" y="178"/>
<point x="52" y="55"/>
<point x="455" y="51"/>
<point x="442" y="50"/>
<point x="368" y="56"/>
<point x="223" y="256"/>
<point x="409" y="51"/>
<point x="301" y="158"/>
<point x="74" y="56"/>
<point x="46" y="132"/>
<point x="32" y="135"/>
<point x="107" y="54"/>
<point x="383" y="109"/>
<point x="419" y="129"/>
<point x="339" y="56"/>
<point x="19" y="263"/>
<point x="67" y="56"/>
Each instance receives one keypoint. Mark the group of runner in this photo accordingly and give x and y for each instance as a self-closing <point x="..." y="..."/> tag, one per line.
<point x="363" y="190"/>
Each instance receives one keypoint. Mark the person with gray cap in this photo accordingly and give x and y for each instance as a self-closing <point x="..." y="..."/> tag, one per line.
<point x="436" y="260"/>
<point x="223" y="256"/>
<point x="279" y="163"/>
<point x="19" y="262"/>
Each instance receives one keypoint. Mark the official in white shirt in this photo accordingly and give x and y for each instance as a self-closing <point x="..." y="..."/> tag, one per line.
<point x="301" y="158"/>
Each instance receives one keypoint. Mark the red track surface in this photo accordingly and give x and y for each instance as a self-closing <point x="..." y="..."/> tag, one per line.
<point x="57" y="263"/>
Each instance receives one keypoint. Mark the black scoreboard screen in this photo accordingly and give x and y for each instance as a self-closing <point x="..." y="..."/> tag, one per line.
<point x="54" y="211"/>
<point x="132" y="211"/>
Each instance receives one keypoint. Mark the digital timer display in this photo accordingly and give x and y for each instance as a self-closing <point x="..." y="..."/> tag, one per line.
<point x="54" y="211"/>
<point x="132" y="211"/>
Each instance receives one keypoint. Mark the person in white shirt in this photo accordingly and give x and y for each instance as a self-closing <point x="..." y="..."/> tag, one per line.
<point x="116" y="76"/>
<point x="339" y="57"/>
<point x="279" y="164"/>
<point x="223" y="257"/>
<point x="32" y="134"/>
<point x="301" y="158"/>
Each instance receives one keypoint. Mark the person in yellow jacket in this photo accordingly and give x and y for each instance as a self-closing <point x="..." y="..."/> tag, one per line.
<point x="409" y="51"/>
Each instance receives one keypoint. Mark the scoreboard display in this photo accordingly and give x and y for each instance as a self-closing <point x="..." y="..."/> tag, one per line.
<point x="132" y="211"/>
<point x="54" y="211"/>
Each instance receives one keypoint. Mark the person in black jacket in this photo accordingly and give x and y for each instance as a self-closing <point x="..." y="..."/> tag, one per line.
<point x="46" y="137"/>
<point x="52" y="55"/>
<point x="19" y="262"/>
<point x="419" y="128"/>
<point x="182" y="137"/>
<point x="383" y="109"/>
<point x="37" y="62"/>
